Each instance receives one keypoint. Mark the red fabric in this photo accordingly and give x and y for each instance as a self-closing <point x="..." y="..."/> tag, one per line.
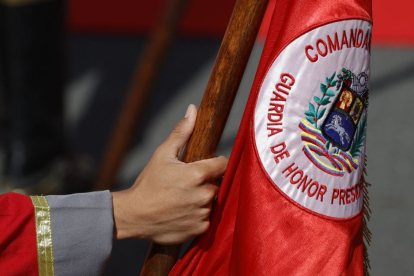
<point x="255" y="229"/>
<point x="18" y="247"/>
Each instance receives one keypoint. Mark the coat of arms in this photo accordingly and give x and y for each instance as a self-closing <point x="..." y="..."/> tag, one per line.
<point x="334" y="145"/>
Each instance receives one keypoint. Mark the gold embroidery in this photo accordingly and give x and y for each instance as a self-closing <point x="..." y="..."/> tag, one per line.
<point x="346" y="99"/>
<point x="43" y="236"/>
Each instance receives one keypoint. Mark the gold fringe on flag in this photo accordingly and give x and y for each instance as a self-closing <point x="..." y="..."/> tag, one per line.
<point x="367" y="216"/>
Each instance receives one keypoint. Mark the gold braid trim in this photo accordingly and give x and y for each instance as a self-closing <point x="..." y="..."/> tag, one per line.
<point x="367" y="216"/>
<point x="43" y="236"/>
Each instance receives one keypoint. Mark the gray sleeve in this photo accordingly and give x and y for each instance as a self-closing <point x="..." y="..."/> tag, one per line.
<point x="82" y="232"/>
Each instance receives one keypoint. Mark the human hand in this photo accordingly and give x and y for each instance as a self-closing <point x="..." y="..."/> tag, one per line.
<point x="170" y="201"/>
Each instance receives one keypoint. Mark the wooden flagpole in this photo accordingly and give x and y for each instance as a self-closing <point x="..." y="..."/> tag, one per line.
<point x="138" y="94"/>
<point x="215" y="107"/>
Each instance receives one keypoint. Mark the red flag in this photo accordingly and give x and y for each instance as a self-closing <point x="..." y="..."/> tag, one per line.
<point x="291" y="201"/>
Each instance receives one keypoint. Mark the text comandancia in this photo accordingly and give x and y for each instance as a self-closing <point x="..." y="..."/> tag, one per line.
<point x="353" y="38"/>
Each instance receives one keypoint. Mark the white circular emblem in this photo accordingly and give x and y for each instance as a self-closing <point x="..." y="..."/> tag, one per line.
<point x="310" y="118"/>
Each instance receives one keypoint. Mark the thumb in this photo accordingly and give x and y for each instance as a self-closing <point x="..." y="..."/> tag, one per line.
<point x="181" y="132"/>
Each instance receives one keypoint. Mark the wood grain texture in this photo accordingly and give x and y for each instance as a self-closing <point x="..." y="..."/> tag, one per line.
<point x="215" y="106"/>
<point x="139" y="92"/>
<point x="160" y="259"/>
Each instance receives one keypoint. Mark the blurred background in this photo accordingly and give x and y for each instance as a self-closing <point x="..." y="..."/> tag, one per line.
<point x="79" y="59"/>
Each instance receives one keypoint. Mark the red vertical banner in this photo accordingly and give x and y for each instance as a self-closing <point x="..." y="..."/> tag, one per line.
<point x="291" y="201"/>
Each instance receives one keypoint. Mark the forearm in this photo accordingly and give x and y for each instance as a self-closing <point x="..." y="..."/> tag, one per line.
<point x="82" y="232"/>
<point x="69" y="235"/>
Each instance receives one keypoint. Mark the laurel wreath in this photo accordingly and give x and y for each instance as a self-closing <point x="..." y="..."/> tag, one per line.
<point x="314" y="114"/>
